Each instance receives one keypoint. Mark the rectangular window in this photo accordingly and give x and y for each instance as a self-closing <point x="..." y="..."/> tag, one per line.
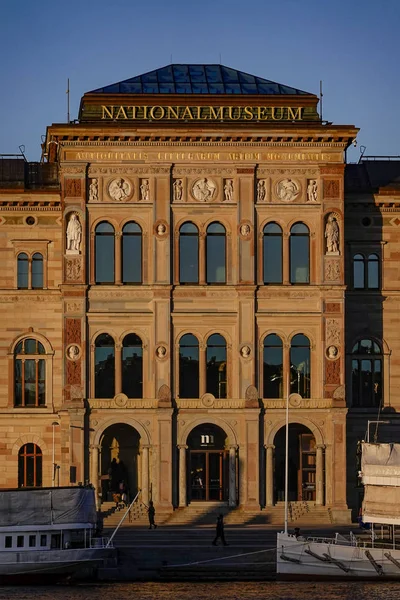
<point x="8" y="541"/>
<point x="43" y="540"/>
<point x="32" y="541"/>
<point x="20" y="541"/>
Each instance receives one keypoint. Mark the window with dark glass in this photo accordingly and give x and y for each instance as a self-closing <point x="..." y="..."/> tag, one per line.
<point x="188" y="366"/>
<point x="29" y="374"/>
<point x="22" y="271"/>
<point x="131" y="253"/>
<point x="30" y="466"/>
<point x="366" y="272"/>
<point x="299" y="254"/>
<point x="272" y="253"/>
<point x="366" y="373"/>
<point x="104" y="252"/>
<point x="132" y="366"/>
<point x="104" y="366"/>
<point x="300" y="372"/>
<point x="32" y="541"/>
<point x="358" y="271"/>
<point x="373" y="272"/>
<point x="37" y="271"/>
<point x="216" y="366"/>
<point x="8" y="541"/>
<point x="273" y="367"/>
<point x="188" y="253"/>
<point x="216" y="254"/>
<point x="20" y="541"/>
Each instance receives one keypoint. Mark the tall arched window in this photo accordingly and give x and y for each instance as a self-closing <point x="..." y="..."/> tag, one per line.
<point x="299" y="254"/>
<point x="30" y="466"/>
<point x="22" y="271"/>
<point x="273" y="367"/>
<point x="104" y="251"/>
<point x="366" y="272"/>
<point x="188" y="253"/>
<point x="104" y="366"/>
<point x="216" y="366"/>
<point x="216" y="253"/>
<point x="29" y="374"/>
<point x="272" y="254"/>
<point x="373" y="272"/>
<point x="131" y="253"/>
<point x="132" y="366"/>
<point x="37" y="271"/>
<point x="358" y="271"/>
<point x="188" y="366"/>
<point x="300" y="370"/>
<point x="366" y="373"/>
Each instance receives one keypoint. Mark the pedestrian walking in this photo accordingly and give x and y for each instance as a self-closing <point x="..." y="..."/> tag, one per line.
<point x="219" y="531"/>
<point x="151" y="511"/>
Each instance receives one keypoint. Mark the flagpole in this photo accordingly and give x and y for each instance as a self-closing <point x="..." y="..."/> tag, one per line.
<point x="287" y="453"/>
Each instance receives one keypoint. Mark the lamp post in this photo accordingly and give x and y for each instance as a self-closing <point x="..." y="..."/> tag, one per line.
<point x="54" y="425"/>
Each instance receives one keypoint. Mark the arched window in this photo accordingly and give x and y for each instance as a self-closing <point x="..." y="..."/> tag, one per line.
<point x="104" y="250"/>
<point x="29" y="374"/>
<point x="132" y="366"/>
<point x="373" y="272"/>
<point x="366" y="373"/>
<point x="22" y="271"/>
<point x="299" y="254"/>
<point x="216" y="366"/>
<point x="30" y="466"/>
<point x="188" y="253"/>
<point x="300" y="372"/>
<point x="272" y="253"/>
<point x="273" y="367"/>
<point x="104" y="366"/>
<point x="216" y="254"/>
<point x="37" y="271"/>
<point x="358" y="271"/>
<point x="131" y="253"/>
<point x="188" y="366"/>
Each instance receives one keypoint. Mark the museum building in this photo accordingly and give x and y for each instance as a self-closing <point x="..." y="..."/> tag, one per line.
<point x="190" y="252"/>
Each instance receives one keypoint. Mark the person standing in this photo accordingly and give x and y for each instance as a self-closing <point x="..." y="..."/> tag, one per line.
<point x="152" y="513"/>
<point x="219" y="531"/>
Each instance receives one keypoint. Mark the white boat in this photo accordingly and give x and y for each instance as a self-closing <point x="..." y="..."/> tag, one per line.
<point x="50" y="533"/>
<point x="374" y="554"/>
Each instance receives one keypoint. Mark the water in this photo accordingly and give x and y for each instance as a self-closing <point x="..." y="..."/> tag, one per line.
<point x="208" y="591"/>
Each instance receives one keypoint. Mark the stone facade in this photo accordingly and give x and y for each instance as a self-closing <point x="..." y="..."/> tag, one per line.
<point x="159" y="177"/>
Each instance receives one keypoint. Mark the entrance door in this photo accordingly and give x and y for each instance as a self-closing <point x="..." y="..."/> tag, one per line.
<point x="307" y="472"/>
<point x="208" y="470"/>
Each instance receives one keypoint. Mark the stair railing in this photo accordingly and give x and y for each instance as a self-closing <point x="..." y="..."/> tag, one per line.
<point x="123" y="519"/>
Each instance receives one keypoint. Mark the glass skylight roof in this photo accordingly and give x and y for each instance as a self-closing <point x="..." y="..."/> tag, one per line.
<point x="197" y="79"/>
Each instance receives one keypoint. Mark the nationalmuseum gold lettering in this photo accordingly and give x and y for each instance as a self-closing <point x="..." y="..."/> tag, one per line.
<point x="187" y="114"/>
<point x="153" y="110"/>
<point x="274" y="114"/>
<point x="244" y="155"/>
<point x="231" y="113"/>
<point x="145" y="112"/>
<point x="121" y="110"/>
<point x="248" y="113"/>
<point x="172" y="111"/>
<point x="107" y="112"/>
<point x="261" y="116"/>
<point x="294" y="116"/>
<point x="216" y="115"/>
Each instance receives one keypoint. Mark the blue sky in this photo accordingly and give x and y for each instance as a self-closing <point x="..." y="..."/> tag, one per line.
<point x="351" y="45"/>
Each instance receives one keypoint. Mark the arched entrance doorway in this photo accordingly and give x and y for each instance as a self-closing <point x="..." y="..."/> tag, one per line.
<point x="119" y="460"/>
<point x="302" y="472"/>
<point x="208" y="467"/>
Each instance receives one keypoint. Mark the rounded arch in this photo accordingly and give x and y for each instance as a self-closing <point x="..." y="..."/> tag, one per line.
<point x="333" y="209"/>
<point x="220" y="221"/>
<point x="191" y="331"/>
<point x="277" y="332"/>
<point x="137" y="331"/>
<point x="382" y="343"/>
<point x="137" y="220"/>
<point x="71" y="209"/>
<point x="298" y="419"/>
<point x="111" y="220"/>
<point x="302" y="332"/>
<point x="221" y="332"/>
<point x="268" y="220"/>
<point x="210" y="419"/>
<point x="96" y="334"/>
<point x="186" y="221"/>
<point x="297" y="221"/>
<point x="127" y="420"/>
<point x="31" y="334"/>
<point x="29" y="438"/>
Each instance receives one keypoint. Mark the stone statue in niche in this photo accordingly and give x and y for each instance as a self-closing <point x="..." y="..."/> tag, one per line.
<point x="145" y="190"/>
<point x="287" y="190"/>
<point x="74" y="235"/>
<point x="228" y="190"/>
<point x="93" y="191"/>
<point x="261" y="191"/>
<point x="119" y="189"/>
<point x="332" y="235"/>
<point x="204" y="189"/>
<point x="312" y="191"/>
<point x="178" y="190"/>
<point x="245" y="230"/>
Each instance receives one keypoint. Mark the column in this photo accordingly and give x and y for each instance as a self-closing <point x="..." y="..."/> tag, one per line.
<point x="94" y="472"/>
<point x="145" y="474"/>
<point x="320" y="476"/>
<point x="232" y="476"/>
<point x="269" y="474"/>
<point x="182" y="476"/>
<point x="118" y="369"/>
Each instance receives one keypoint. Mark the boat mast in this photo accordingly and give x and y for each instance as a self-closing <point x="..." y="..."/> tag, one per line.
<point x="287" y="453"/>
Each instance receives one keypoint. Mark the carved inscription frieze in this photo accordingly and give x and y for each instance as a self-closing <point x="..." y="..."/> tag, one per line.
<point x="114" y="404"/>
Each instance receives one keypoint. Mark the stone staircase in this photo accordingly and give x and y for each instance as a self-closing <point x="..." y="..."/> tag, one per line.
<point x="205" y="513"/>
